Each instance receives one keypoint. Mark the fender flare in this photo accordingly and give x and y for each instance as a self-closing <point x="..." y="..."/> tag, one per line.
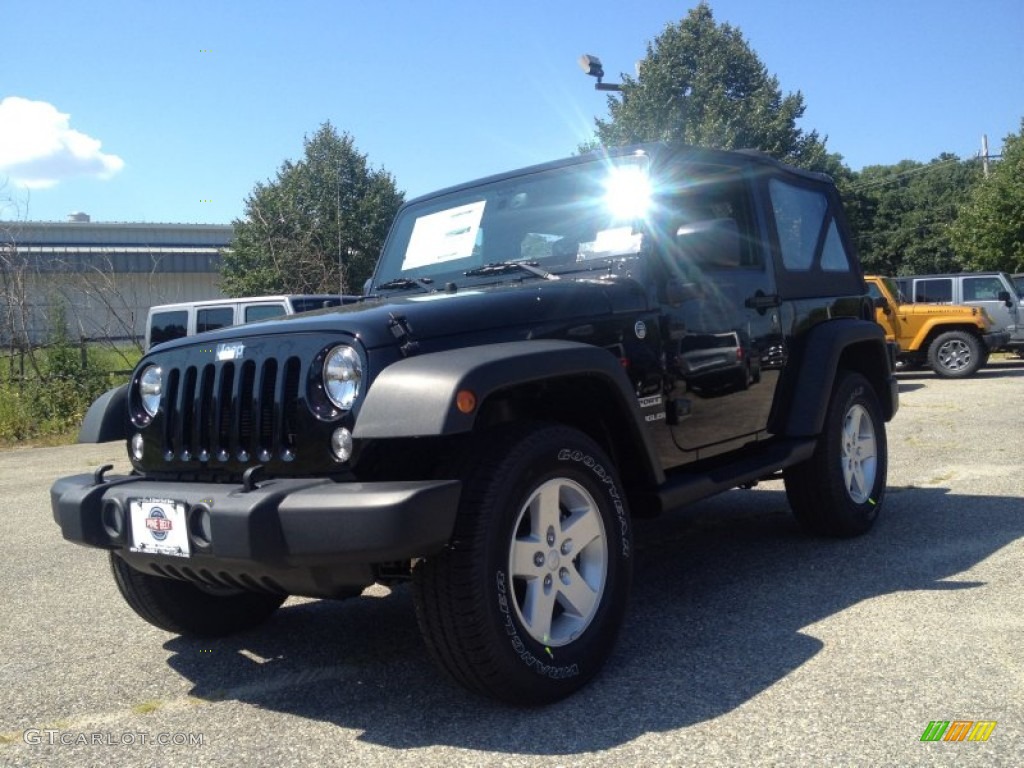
<point x="818" y="362"/>
<point x="107" y="417"/>
<point x="415" y="397"/>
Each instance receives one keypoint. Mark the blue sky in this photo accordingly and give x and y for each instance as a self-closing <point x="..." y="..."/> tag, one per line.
<point x="172" y="111"/>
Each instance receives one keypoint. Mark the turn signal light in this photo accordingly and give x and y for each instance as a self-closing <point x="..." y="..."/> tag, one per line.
<point x="465" y="401"/>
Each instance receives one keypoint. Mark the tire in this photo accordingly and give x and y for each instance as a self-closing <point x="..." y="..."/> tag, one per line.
<point x="185" y="609"/>
<point x="840" y="489"/>
<point x="520" y="607"/>
<point x="955" y="354"/>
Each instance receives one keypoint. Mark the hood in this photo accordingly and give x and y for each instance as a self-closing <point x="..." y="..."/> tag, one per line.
<point x="470" y="310"/>
<point x="946" y="310"/>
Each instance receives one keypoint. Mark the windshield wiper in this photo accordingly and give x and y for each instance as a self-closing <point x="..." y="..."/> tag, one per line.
<point x="401" y="283"/>
<point x="502" y="267"/>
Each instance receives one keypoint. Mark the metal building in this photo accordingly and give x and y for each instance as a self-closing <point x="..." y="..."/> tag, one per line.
<point x="101" y="276"/>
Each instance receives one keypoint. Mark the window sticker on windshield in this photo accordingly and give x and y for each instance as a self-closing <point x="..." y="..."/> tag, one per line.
<point x="444" y="236"/>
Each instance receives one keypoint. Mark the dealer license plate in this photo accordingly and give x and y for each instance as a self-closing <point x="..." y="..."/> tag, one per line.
<point x="158" y="527"/>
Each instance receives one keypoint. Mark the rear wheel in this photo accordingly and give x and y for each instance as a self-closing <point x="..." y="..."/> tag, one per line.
<point x="186" y="609"/>
<point x="525" y="603"/>
<point x="839" y="490"/>
<point x="955" y="354"/>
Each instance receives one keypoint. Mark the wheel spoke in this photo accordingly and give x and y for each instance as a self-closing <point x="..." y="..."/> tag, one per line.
<point x="545" y="510"/>
<point x="538" y="609"/>
<point x="523" y="560"/>
<point x="583" y="528"/>
<point x="576" y="596"/>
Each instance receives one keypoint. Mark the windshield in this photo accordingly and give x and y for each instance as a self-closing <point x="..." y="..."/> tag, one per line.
<point x="550" y="219"/>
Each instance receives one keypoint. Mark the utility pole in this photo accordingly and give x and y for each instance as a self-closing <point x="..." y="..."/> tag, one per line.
<point x="984" y="154"/>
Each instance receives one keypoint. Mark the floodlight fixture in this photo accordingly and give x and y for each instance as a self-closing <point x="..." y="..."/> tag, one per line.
<point x="591" y="65"/>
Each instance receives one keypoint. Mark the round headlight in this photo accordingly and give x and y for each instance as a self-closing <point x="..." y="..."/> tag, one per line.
<point x="151" y="386"/>
<point x="343" y="374"/>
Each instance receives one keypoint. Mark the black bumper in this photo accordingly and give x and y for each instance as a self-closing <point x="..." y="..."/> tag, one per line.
<point x="997" y="339"/>
<point x="304" y="536"/>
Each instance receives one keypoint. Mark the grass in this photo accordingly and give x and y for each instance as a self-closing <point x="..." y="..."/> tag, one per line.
<point x="47" y="408"/>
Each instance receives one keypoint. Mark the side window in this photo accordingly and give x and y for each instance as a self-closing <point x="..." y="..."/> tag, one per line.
<point x="934" y="291"/>
<point x="873" y="291"/>
<point x="799" y="219"/>
<point x="165" y="326"/>
<point x="982" y="288"/>
<point x="262" y="312"/>
<point x="213" y="318"/>
<point x="712" y="227"/>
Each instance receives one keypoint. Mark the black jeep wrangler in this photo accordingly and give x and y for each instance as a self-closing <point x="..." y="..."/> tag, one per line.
<point x="541" y="356"/>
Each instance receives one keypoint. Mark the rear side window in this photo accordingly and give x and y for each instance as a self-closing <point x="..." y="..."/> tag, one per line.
<point x="214" y="318"/>
<point x="263" y="312"/>
<point x="808" y="234"/>
<point x="934" y="291"/>
<point x="165" y="326"/>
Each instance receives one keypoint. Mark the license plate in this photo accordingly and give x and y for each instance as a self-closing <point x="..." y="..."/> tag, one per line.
<point x="158" y="527"/>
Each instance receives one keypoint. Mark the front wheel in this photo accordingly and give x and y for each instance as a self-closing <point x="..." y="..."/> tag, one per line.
<point x="955" y="354"/>
<point x="839" y="490"/>
<point x="525" y="603"/>
<point x="185" y="609"/>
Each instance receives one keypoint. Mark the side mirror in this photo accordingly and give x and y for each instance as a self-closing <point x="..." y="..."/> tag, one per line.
<point x="882" y="303"/>
<point x="1004" y="296"/>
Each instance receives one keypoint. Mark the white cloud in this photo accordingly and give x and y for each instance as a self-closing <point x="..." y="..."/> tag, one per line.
<point x="39" y="149"/>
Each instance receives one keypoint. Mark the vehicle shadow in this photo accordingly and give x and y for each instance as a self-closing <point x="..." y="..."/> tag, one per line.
<point x="714" y="588"/>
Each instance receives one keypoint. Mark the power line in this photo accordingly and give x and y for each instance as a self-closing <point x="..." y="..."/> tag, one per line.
<point x="911" y="172"/>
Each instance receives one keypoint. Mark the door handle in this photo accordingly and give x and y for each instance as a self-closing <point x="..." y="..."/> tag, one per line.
<point x="762" y="301"/>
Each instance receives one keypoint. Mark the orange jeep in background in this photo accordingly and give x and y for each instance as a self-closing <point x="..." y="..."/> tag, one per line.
<point x="954" y="340"/>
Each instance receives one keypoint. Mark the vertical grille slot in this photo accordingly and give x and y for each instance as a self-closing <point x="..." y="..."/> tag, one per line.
<point x="263" y="408"/>
<point x="292" y="375"/>
<point x="222" y="411"/>
<point x="203" y="409"/>
<point x="241" y="411"/>
<point x="188" y="448"/>
<point x="172" y="436"/>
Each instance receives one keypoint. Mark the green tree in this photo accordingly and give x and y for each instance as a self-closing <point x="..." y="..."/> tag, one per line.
<point x="906" y="212"/>
<point x="702" y="84"/>
<point x="989" y="233"/>
<point x="317" y="228"/>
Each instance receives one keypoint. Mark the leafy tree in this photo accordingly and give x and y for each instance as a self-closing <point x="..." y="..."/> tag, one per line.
<point x="317" y="228"/>
<point x="701" y="84"/>
<point x="989" y="234"/>
<point x="905" y="212"/>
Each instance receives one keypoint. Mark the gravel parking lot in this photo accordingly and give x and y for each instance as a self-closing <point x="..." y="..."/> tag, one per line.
<point x="747" y="643"/>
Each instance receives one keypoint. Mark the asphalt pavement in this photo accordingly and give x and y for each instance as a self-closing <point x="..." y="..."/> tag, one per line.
<point x="747" y="642"/>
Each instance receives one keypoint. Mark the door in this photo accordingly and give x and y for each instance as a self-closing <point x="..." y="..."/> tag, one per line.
<point x="720" y="317"/>
<point x="983" y="291"/>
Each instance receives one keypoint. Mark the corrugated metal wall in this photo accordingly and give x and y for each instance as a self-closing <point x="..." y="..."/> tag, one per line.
<point x="104" y="277"/>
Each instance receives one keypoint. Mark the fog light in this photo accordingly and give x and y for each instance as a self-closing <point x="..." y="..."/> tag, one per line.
<point x="137" y="446"/>
<point x="341" y="444"/>
<point x="199" y="525"/>
<point x="112" y="516"/>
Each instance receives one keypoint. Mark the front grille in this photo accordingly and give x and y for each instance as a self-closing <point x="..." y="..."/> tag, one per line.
<point x="241" y="412"/>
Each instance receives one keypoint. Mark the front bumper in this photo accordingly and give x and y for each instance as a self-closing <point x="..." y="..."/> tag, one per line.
<point x="299" y="536"/>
